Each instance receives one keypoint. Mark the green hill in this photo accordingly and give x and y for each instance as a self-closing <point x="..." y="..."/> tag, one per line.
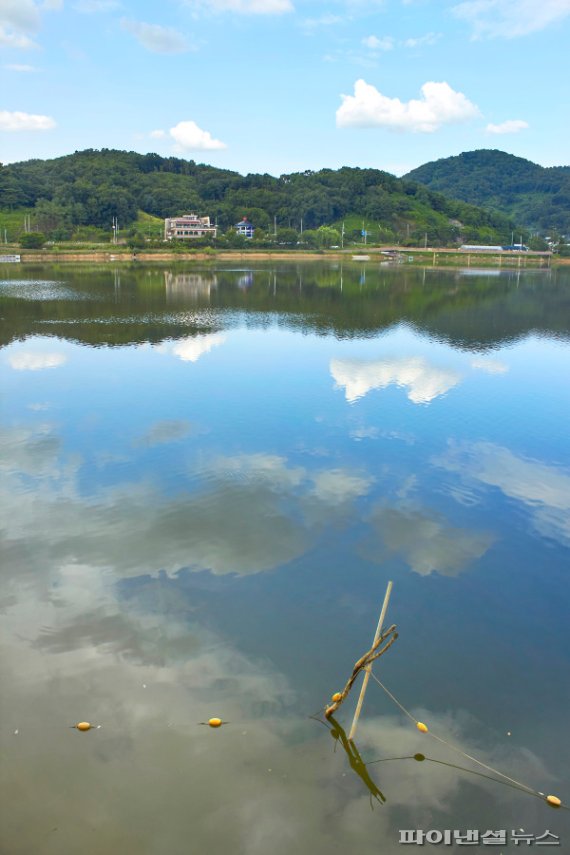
<point x="69" y="196"/>
<point x="533" y="195"/>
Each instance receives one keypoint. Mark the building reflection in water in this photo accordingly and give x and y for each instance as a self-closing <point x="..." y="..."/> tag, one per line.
<point x="181" y="286"/>
<point x="245" y="281"/>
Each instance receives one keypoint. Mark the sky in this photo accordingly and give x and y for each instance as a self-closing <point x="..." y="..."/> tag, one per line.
<point x="284" y="86"/>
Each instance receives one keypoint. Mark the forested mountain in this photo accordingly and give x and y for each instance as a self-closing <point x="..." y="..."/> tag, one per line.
<point x="533" y="195"/>
<point x="89" y="188"/>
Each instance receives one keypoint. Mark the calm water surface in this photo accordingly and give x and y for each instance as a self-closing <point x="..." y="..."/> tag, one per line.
<point x="208" y="478"/>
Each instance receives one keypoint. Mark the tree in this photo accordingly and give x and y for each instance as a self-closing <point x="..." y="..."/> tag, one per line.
<point x="32" y="240"/>
<point x="538" y="244"/>
<point x="327" y="236"/>
<point x="287" y="237"/>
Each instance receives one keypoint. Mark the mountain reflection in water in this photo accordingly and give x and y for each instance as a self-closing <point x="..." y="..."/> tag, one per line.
<point x="208" y="477"/>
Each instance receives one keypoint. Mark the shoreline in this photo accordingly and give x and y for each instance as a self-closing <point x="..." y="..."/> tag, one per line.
<point x="421" y="257"/>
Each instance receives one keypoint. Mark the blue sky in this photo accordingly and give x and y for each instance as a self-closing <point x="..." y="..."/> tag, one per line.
<point x="286" y="85"/>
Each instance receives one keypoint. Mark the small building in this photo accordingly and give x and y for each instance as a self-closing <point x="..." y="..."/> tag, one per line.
<point x="244" y="228"/>
<point x="188" y="227"/>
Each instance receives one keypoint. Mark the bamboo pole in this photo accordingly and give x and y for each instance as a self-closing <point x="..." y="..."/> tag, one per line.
<point x="369" y="667"/>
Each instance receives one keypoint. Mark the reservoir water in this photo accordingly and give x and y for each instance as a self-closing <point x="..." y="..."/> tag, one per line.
<point x="209" y="475"/>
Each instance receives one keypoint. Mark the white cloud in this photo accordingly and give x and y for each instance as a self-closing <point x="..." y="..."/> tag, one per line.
<point x="435" y="545"/>
<point x="189" y="137"/>
<point x="543" y="489"/>
<point x="336" y="486"/>
<point x="158" y="134"/>
<point x="510" y="18"/>
<point x="491" y="366"/>
<point x="439" y="105"/>
<point x="20" y="18"/>
<point x="24" y="122"/>
<point x="428" y="39"/>
<point x="155" y="531"/>
<point x="156" y="38"/>
<point x="511" y="126"/>
<point x="88" y="7"/>
<point x="192" y="348"/>
<point x="166" y="431"/>
<point x="243" y="7"/>
<point x="423" y="381"/>
<point x="322" y="21"/>
<point x="21" y="15"/>
<point x="374" y="43"/>
<point x="15" y="40"/>
<point x="33" y="361"/>
<point x="21" y="69"/>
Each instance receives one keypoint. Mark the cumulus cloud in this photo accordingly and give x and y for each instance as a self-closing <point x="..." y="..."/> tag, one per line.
<point x="427" y="542"/>
<point x="272" y="511"/>
<point x="336" y="486"/>
<point x="156" y="38"/>
<point x="242" y="7"/>
<point x="511" y="126"/>
<point x="21" y="15"/>
<point x="166" y="431"/>
<point x="21" y="18"/>
<point x="192" y="348"/>
<point x="420" y="41"/>
<point x="19" y="121"/>
<point x="510" y="18"/>
<point x="24" y="360"/>
<point x="439" y="105"/>
<point x="189" y="137"/>
<point x="423" y="381"/>
<point x="15" y="40"/>
<point x="374" y="43"/>
<point x="543" y="489"/>
<point x="490" y="366"/>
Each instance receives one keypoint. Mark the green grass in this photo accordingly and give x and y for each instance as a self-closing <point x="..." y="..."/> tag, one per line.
<point x="13" y="223"/>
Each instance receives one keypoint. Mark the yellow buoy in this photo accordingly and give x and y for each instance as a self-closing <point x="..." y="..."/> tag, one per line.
<point x="83" y="725"/>
<point x="419" y="757"/>
<point x="423" y="728"/>
<point x="554" y="801"/>
<point x="337" y="697"/>
<point x="215" y="722"/>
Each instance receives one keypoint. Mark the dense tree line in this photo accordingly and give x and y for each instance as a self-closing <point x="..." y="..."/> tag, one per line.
<point x="535" y="196"/>
<point x="89" y="188"/>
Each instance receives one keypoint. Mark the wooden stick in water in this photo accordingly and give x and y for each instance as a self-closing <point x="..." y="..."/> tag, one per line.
<point x="369" y="667"/>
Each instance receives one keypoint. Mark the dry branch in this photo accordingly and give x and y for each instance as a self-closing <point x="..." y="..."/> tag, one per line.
<point x="363" y="663"/>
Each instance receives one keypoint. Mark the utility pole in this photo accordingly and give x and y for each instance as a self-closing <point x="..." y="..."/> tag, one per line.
<point x="275" y="226"/>
<point x="301" y="225"/>
<point x="342" y="243"/>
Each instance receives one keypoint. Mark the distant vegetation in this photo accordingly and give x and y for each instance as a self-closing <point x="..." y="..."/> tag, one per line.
<point x="77" y="196"/>
<point x="535" y="196"/>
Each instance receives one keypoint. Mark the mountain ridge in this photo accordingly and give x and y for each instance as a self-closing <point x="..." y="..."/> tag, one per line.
<point x="89" y="188"/>
<point x="536" y="196"/>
